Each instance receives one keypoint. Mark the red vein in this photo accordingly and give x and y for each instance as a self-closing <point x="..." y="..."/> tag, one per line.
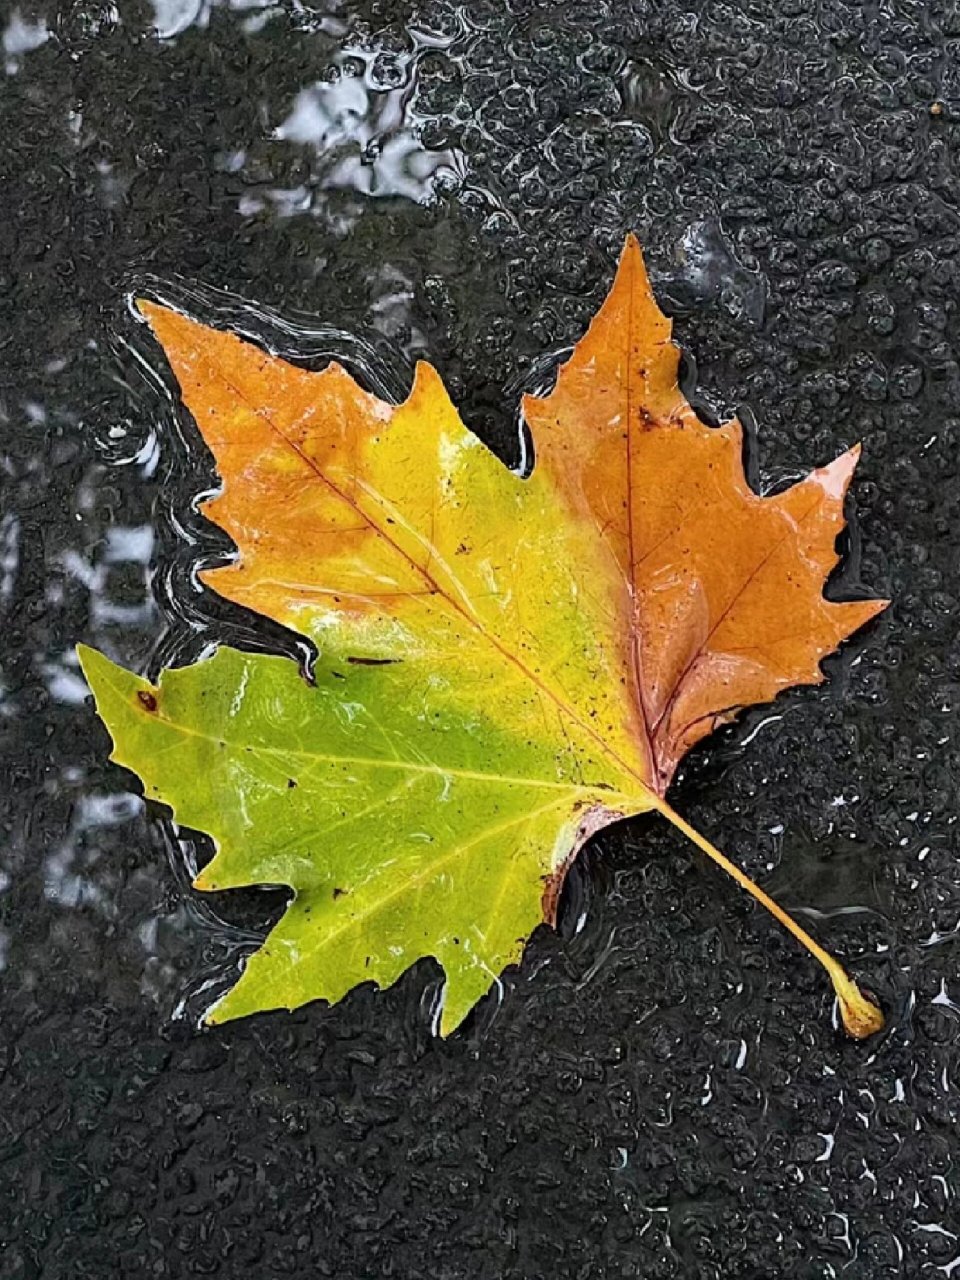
<point x="627" y="388"/>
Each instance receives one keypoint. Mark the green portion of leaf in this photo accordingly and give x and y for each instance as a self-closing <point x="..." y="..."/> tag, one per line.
<point x="395" y="851"/>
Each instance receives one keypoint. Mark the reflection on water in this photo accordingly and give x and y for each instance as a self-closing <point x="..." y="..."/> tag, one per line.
<point x="65" y="869"/>
<point x="9" y="548"/>
<point x="21" y="36"/>
<point x="708" y="272"/>
<point x="172" y="17"/>
<point x="360" y="125"/>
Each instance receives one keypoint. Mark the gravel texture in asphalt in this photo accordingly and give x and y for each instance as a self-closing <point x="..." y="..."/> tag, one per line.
<point x="660" y="1090"/>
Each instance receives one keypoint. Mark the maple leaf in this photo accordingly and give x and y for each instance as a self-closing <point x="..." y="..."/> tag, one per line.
<point x="505" y="664"/>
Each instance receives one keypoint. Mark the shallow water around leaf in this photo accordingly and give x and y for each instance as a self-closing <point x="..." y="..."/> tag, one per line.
<point x="659" y="1090"/>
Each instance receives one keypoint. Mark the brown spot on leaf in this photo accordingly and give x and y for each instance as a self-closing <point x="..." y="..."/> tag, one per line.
<point x="552" y="888"/>
<point x="371" y="662"/>
<point x="593" y="820"/>
<point x="146" y="699"/>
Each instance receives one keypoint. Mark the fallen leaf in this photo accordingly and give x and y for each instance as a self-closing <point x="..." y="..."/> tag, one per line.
<point x="506" y="665"/>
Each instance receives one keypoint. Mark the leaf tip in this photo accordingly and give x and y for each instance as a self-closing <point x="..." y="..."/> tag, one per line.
<point x="147" y="309"/>
<point x="874" y="608"/>
<point x="834" y="479"/>
<point x="427" y="379"/>
<point x="174" y="331"/>
<point x="221" y="1012"/>
<point x="632" y="260"/>
<point x="87" y="656"/>
<point x="429" y="396"/>
<point x="632" y="281"/>
<point x="98" y="670"/>
<point x="631" y="246"/>
<point x="451" y="1017"/>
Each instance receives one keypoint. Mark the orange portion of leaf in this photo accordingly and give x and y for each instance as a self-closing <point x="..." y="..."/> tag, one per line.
<point x="727" y="586"/>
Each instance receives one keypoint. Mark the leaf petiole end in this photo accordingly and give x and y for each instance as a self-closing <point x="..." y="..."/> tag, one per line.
<point x="860" y="1016"/>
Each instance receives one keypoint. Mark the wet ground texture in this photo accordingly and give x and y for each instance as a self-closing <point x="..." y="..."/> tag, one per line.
<point x="662" y="1091"/>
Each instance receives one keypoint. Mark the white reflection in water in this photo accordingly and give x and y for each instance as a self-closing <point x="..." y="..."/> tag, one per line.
<point x="129" y="542"/>
<point x="364" y="139"/>
<point x="65" y="878"/>
<point x="325" y="115"/>
<point x="125" y="544"/>
<point x="709" y="271"/>
<point x="9" y="556"/>
<point x="64" y="682"/>
<point x="21" y="36"/>
<point x="170" y="17"/>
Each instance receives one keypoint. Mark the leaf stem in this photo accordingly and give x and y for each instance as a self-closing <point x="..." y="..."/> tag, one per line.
<point x="861" y="1017"/>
